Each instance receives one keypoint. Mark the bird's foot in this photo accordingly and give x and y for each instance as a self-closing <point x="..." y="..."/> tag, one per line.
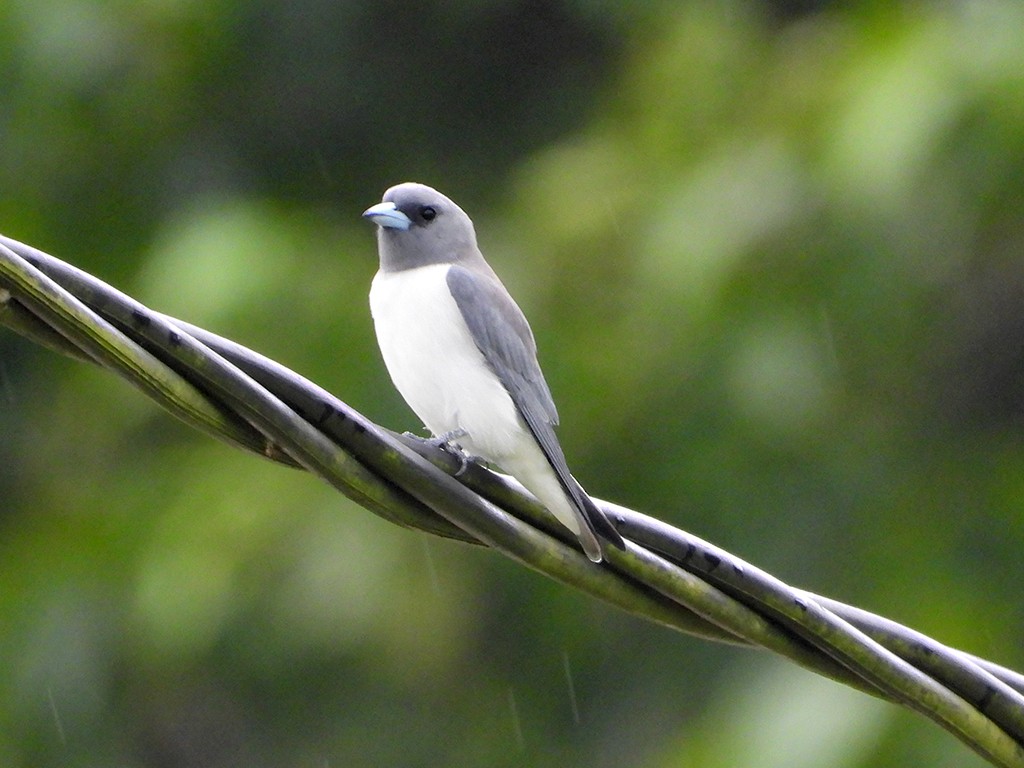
<point x="449" y="438"/>
<point x="446" y="443"/>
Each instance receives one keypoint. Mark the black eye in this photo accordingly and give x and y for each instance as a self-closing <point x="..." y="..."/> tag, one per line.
<point x="427" y="213"/>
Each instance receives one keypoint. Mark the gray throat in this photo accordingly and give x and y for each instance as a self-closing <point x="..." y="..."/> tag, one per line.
<point x="403" y="250"/>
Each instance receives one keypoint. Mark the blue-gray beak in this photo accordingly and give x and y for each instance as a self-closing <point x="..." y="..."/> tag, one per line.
<point x="387" y="215"/>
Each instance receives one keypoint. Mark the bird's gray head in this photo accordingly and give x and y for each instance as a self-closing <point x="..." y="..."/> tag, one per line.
<point x="417" y="226"/>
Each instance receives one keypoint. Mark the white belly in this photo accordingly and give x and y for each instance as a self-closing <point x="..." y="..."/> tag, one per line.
<point x="437" y="367"/>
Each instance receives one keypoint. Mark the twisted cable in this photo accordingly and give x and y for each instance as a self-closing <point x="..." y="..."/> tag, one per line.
<point x="664" y="575"/>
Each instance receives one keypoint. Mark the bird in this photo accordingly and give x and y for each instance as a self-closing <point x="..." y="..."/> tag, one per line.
<point x="461" y="353"/>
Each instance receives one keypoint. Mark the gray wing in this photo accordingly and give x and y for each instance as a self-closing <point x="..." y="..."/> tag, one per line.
<point x="504" y="337"/>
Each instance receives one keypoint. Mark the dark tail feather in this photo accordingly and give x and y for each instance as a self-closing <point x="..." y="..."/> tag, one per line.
<point x="597" y="519"/>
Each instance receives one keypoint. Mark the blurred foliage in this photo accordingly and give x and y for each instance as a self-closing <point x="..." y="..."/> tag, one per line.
<point x="772" y="254"/>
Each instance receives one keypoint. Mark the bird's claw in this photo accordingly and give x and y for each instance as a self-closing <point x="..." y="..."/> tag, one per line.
<point x="448" y="438"/>
<point x="446" y="443"/>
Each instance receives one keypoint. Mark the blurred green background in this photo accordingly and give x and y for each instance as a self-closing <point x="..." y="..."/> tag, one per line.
<point x="773" y="253"/>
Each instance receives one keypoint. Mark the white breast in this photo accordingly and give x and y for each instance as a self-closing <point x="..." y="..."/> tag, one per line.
<point x="436" y="365"/>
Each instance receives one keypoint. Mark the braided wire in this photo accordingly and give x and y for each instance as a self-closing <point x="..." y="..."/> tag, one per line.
<point x="664" y="574"/>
